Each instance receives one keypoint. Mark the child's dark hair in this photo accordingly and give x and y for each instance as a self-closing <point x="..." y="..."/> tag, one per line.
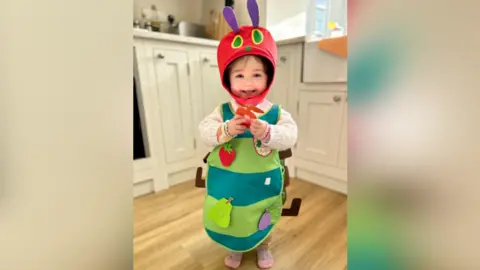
<point x="267" y="65"/>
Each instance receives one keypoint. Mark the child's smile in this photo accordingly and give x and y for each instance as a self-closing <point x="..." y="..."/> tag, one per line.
<point x="249" y="93"/>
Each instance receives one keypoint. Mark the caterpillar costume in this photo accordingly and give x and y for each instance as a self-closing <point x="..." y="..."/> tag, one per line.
<point x="244" y="200"/>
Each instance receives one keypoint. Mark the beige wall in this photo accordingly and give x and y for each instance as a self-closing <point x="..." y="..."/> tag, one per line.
<point x="287" y="18"/>
<point x="240" y="10"/>
<point x="198" y="11"/>
<point x="183" y="10"/>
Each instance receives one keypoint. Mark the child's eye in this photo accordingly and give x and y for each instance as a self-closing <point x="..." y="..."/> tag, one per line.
<point x="257" y="75"/>
<point x="239" y="76"/>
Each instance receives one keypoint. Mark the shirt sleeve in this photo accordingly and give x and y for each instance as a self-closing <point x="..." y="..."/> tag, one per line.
<point x="212" y="129"/>
<point x="284" y="134"/>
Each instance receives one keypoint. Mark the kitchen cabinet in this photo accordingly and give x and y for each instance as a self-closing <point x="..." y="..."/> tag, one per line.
<point x="212" y="89"/>
<point x="342" y="155"/>
<point x="172" y="81"/>
<point x="279" y="90"/>
<point x="320" y="126"/>
<point x="174" y="77"/>
<point x="323" y="67"/>
<point x="287" y="77"/>
<point x="321" y="152"/>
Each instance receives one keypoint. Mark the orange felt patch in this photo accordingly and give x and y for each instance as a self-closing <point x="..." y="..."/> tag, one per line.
<point x="336" y="45"/>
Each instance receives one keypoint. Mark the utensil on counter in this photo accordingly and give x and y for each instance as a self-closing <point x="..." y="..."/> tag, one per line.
<point x="148" y="26"/>
<point x="172" y="26"/>
<point x="158" y="20"/>
<point x="191" y="29"/>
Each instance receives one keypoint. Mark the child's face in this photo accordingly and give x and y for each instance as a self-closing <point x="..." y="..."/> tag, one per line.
<point x="248" y="77"/>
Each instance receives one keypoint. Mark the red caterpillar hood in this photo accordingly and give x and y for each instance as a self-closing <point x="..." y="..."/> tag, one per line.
<point x="246" y="40"/>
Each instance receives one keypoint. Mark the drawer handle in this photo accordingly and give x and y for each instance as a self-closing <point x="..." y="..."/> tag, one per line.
<point x="160" y="56"/>
<point x="206" y="60"/>
<point x="283" y="59"/>
<point x="337" y="98"/>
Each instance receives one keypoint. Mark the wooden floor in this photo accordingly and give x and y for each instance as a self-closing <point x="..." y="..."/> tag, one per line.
<point x="169" y="234"/>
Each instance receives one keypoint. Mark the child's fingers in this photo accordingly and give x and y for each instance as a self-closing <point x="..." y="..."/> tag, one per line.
<point x="239" y="130"/>
<point x="237" y="117"/>
<point x="239" y="126"/>
<point x="255" y="124"/>
<point x="239" y="122"/>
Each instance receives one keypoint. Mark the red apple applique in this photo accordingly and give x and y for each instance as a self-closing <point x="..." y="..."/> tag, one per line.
<point x="227" y="154"/>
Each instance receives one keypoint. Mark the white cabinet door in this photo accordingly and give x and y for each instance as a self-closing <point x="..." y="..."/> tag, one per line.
<point x="284" y="76"/>
<point x="319" y="124"/>
<point x="323" y="67"/>
<point x="173" y="87"/>
<point x="281" y="83"/>
<point x="213" y="92"/>
<point x="343" y="152"/>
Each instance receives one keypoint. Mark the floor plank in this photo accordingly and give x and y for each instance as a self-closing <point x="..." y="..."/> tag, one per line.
<point x="168" y="232"/>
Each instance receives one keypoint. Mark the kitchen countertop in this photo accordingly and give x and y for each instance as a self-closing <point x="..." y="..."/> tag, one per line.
<point x="140" y="33"/>
<point x="291" y="40"/>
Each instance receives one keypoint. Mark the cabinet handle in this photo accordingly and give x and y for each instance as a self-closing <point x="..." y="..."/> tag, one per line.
<point x="160" y="56"/>
<point x="337" y="98"/>
<point x="206" y="60"/>
<point x="283" y="59"/>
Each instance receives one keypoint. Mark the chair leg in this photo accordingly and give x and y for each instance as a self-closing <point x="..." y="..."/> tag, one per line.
<point x="206" y="157"/>
<point x="199" y="182"/>
<point x="285" y="154"/>
<point x="294" y="209"/>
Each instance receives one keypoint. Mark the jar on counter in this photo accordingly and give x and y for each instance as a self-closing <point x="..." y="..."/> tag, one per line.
<point x="148" y="25"/>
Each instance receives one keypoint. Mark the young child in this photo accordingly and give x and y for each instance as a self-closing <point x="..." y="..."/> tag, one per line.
<point x="245" y="176"/>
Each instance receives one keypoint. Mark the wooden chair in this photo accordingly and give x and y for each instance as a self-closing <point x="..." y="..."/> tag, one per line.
<point x="294" y="208"/>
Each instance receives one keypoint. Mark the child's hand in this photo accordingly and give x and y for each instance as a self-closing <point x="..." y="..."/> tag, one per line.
<point x="258" y="128"/>
<point x="235" y="126"/>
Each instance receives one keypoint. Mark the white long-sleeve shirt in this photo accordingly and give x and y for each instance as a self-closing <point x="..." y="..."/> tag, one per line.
<point x="283" y="135"/>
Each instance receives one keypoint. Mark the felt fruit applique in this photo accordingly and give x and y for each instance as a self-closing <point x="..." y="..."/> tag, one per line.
<point x="271" y="215"/>
<point x="248" y="111"/>
<point x="260" y="148"/>
<point x="265" y="220"/>
<point x="227" y="154"/>
<point x="220" y="212"/>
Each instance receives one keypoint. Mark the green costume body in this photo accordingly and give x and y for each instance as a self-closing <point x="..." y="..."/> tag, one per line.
<point x="253" y="182"/>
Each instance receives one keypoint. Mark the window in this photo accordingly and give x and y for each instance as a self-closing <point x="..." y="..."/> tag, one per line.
<point x="321" y="16"/>
<point x="326" y="11"/>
